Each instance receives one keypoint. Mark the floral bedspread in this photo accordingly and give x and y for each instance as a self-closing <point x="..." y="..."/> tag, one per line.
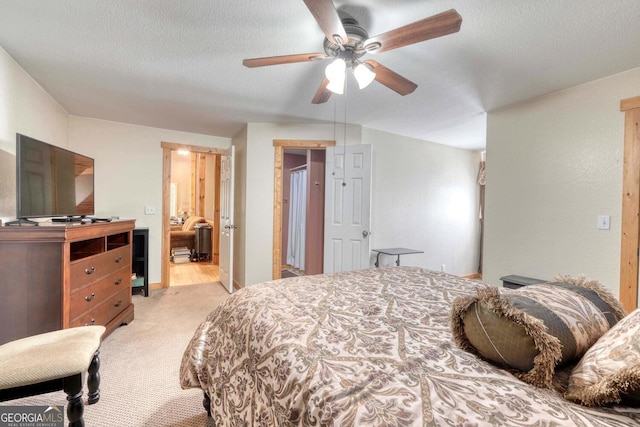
<point x="371" y="347"/>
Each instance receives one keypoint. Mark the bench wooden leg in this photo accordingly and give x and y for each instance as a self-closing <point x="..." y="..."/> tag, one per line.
<point x="75" y="407"/>
<point x="206" y="402"/>
<point x="93" y="380"/>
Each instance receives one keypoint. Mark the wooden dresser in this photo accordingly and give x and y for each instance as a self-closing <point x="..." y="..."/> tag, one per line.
<point x="61" y="276"/>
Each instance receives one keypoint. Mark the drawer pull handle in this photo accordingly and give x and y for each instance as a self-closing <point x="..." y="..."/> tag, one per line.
<point x="90" y="270"/>
<point x="118" y="304"/>
<point x="89" y="298"/>
<point x="117" y="282"/>
<point x="93" y="322"/>
<point x="118" y="259"/>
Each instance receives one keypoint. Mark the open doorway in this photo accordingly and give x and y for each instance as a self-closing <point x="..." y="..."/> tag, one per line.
<point x="190" y="214"/>
<point x="193" y="207"/>
<point x="299" y="217"/>
<point x="302" y="211"/>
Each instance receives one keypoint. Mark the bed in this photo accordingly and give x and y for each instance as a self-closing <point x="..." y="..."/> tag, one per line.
<point x="372" y="347"/>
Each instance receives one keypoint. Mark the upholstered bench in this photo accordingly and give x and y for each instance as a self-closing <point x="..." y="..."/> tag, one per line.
<point x="53" y="361"/>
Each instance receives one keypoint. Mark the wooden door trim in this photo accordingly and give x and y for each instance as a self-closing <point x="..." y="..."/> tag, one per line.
<point x="278" y="147"/>
<point x="630" y="205"/>
<point x="167" y="148"/>
<point x="630" y="103"/>
<point x="166" y="191"/>
<point x="192" y="148"/>
<point x="193" y="171"/>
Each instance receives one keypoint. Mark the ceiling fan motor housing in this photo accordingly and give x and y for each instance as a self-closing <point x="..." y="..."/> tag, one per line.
<point x="353" y="49"/>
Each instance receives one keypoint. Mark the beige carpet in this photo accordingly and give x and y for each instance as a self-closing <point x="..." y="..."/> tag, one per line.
<point x="140" y="363"/>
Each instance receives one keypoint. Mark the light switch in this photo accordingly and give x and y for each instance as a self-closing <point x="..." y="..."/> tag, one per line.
<point x="604" y="222"/>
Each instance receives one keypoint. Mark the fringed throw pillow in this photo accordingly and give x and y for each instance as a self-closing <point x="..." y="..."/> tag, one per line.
<point x="609" y="372"/>
<point x="532" y="330"/>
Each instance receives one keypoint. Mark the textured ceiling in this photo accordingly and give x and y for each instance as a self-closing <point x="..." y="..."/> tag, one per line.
<point x="178" y="64"/>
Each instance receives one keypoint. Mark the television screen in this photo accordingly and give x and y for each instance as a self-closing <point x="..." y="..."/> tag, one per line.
<point x="52" y="181"/>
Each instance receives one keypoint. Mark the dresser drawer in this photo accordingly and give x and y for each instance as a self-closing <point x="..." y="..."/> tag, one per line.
<point x="90" y="269"/>
<point x="94" y="294"/>
<point x="106" y="310"/>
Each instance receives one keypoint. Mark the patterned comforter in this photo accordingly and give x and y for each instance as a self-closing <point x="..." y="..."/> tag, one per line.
<point x="371" y="347"/>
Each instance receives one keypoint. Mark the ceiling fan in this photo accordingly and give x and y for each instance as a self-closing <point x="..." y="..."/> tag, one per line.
<point x="347" y="42"/>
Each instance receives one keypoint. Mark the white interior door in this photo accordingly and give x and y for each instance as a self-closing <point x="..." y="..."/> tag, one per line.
<point x="227" y="162"/>
<point x="347" y="215"/>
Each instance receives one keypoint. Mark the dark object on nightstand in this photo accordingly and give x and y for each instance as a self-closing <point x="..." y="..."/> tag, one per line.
<point x="515" y="282"/>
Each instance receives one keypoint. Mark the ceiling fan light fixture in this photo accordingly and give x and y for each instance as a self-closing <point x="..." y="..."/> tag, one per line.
<point x="336" y="70"/>
<point x="336" y="86"/>
<point x="335" y="73"/>
<point x="364" y="75"/>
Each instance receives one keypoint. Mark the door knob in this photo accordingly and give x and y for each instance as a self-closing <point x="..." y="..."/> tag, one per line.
<point x="365" y="233"/>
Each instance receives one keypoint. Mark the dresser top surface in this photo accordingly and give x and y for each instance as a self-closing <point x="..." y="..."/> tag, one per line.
<point x="61" y="232"/>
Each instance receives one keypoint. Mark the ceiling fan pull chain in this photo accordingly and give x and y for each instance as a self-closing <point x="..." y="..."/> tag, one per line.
<point x="334" y="120"/>
<point x="344" y="138"/>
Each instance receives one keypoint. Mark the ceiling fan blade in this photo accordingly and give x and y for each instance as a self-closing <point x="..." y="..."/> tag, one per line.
<point x="391" y="79"/>
<point x="327" y="16"/>
<point x="284" y="59"/>
<point x="429" y="28"/>
<point x="323" y="94"/>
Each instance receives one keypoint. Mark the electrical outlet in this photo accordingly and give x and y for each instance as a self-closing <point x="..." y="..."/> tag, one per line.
<point x="604" y="222"/>
<point x="149" y="210"/>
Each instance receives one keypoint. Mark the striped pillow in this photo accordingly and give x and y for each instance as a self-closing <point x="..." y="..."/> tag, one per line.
<point x="535" y="328"/>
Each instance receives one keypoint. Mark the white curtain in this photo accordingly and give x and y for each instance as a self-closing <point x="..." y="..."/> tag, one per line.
<point x="297" y="219"/>
<point x="482" y="180"/>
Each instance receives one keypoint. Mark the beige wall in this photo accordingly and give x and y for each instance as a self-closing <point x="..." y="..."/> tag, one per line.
<point x="129" y="171"/>
<point x="553" y="165"/>
<point x="425" y="197"/>
<point x="27" y="109"/>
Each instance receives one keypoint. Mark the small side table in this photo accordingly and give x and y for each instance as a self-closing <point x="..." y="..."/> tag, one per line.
<point x="395" y="252"/>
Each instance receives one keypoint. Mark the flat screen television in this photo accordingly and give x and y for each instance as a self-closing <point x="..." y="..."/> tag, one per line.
<point x="52" y="181"/>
